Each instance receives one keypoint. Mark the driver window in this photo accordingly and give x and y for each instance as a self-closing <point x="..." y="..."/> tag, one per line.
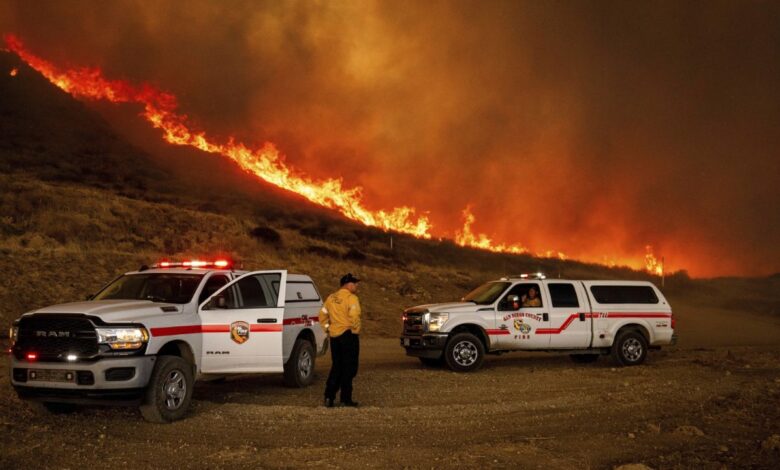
<point x="257" y="291"/>
<point x="528" y="296"/>
<point x="212" y="285"/>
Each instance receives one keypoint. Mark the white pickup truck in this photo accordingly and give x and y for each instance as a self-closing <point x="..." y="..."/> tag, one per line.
<point x="147" y="336"/>
<point x="531" y="313"/>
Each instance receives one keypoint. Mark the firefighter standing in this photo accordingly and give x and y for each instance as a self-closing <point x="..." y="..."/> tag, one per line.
<point x="340" y="318"/>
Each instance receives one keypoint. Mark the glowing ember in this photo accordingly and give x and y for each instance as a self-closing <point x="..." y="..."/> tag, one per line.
<point x="13" y="72"/>
<point x="652" y="265"/>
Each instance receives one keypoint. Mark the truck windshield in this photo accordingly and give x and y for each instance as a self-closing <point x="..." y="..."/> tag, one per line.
<point x="486" y="293"/>
<point x="171" y="288"/>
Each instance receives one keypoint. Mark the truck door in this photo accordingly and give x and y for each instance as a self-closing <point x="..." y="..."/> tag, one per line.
<point x="522" y="313"/>
<point x="570" y="319"/>
<point x="241" y="324"/>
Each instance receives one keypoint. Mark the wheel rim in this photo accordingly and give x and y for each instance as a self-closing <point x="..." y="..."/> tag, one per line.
<point x="632" y="349"/>
<point x="465" y="353"/>
<point x="175" y="389"/>
<point x="304" y="364"/>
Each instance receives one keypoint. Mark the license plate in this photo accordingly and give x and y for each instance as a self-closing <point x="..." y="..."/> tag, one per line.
<point x="407" y="342"/>
<point x="51" y="375"/>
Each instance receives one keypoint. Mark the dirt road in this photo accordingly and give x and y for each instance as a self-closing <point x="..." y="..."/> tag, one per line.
<point x="685" y="408"/>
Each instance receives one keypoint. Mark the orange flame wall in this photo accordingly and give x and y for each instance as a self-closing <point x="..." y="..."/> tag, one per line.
<point x="558" y="139"/>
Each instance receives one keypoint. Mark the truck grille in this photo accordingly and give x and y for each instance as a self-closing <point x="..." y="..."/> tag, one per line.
<point x="54" y="337"/>
<point x="413" y="324"/>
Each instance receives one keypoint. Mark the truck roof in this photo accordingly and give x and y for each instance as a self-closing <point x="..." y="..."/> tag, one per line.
<point x="290" y="277"/>
<point x="613" y="282"/>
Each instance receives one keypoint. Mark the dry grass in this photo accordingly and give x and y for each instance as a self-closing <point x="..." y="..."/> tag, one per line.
<point x="60" y="242"/>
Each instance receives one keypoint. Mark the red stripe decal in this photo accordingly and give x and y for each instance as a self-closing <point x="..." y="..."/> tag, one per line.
<point x="196" y="329"/>
<point x="638" y="315"/>
<point x="300" y="320"/>
<point x="176" y="330"/>
<point x="262" y="328"/>
<point x="559" y="330"/>
<point x="497" y="332"/>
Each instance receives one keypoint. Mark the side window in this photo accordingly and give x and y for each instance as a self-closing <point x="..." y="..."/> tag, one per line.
<point x="528" y="294"/>
<point x="624" y="294"/>
<point x="258" y="291"/>
<point x="563" y="295"/>
<point x="301" y="292"/>
<point x="212" y="285"/>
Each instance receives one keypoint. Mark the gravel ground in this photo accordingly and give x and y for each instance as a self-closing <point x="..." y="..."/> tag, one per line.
<point x="697" y="408"/>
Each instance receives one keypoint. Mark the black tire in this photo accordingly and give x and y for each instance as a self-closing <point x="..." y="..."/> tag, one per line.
<point x="464" y="353"/>
<point x="48" y="407"/>
<point x="584" y="358"/>
<point x="299" y="369"/>
<point x="169" y="393"/>
<point x="432" y="362"/>
<point x="630" y="348"/>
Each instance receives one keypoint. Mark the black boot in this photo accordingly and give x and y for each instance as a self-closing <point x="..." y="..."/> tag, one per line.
<point x="328" y="403"/>
<point x="351" y="404"/>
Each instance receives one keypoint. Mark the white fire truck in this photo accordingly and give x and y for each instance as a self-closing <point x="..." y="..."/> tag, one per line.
<point x="587" y="319"/>
<point x="147" y="336"/>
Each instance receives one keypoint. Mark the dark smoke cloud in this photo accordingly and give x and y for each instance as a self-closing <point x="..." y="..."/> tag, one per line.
<point x="592" y="128"/>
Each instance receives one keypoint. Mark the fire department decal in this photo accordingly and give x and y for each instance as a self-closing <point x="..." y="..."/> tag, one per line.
<point x="521" y="315"/>
<point x="239" y="332"/>
<point x="524" y="329"/>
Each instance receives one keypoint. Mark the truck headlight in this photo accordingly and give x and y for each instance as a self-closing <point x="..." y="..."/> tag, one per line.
<point x="13" y="333"/>
<point x="434" y="321"/>
<point x="123" y="337"/>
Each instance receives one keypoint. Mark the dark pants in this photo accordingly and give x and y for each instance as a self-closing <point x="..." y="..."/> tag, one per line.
<point x="344" y="352"/>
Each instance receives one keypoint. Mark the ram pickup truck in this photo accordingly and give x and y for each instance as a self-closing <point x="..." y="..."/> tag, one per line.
<point x="587" y="319"/>
<point x="148" y="335"/>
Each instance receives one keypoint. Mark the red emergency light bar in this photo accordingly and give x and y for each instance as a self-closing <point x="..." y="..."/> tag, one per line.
<point x="32" y="356"/>
<point x="219" y="263"/>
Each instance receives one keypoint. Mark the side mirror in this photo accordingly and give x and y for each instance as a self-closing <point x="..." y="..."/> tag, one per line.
<point x="216" y="302"/>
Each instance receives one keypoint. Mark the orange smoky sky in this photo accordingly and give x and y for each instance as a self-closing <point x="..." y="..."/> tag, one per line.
<point x="588" y="128"/>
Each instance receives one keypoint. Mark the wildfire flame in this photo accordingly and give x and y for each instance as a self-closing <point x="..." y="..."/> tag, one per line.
<point x="160" y="109"/>
<point x="465" y="237"/>
<point x="13" y="72"/>
<point x="652" y="265"/>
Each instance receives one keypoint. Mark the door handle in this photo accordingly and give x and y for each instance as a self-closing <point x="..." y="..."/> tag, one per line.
<point x="582" y="316"/>
<point x="545" y="317"/>
<point x="266" y="320"/>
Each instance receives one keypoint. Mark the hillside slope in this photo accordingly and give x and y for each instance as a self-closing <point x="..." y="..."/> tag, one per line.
<point x="81" y="204"/>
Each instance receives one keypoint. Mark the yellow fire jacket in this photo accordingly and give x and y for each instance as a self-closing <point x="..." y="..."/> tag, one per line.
<point x="340" y="313"/>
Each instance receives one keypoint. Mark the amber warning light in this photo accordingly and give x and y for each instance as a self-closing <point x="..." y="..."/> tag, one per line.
<point x="219" y="263"/>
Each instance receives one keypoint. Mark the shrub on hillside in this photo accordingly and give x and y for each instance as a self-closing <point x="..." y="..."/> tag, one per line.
<point x="323" y="251"/>
<point x="266" y="234"/>
<point x="355" y="255"/>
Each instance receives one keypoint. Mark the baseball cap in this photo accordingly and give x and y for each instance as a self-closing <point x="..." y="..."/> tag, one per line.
<point x="347" y="278"/>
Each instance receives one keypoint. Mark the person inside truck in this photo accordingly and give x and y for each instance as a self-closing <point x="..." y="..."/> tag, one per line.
<point x="531" y="299"/>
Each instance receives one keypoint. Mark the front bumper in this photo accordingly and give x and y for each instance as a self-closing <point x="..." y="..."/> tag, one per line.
<point x="429" y="345"/>
<point x="109" y="379"/>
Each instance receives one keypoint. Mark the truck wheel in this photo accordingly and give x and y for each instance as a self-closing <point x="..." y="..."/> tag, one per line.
<point x="630" y="348"/>
<point x="584" y="358"/>
<point x="432" y="362"/>
<point x="169" y="393"/>
<point x="299" y="369"/>
<point x="464" y="353"/>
